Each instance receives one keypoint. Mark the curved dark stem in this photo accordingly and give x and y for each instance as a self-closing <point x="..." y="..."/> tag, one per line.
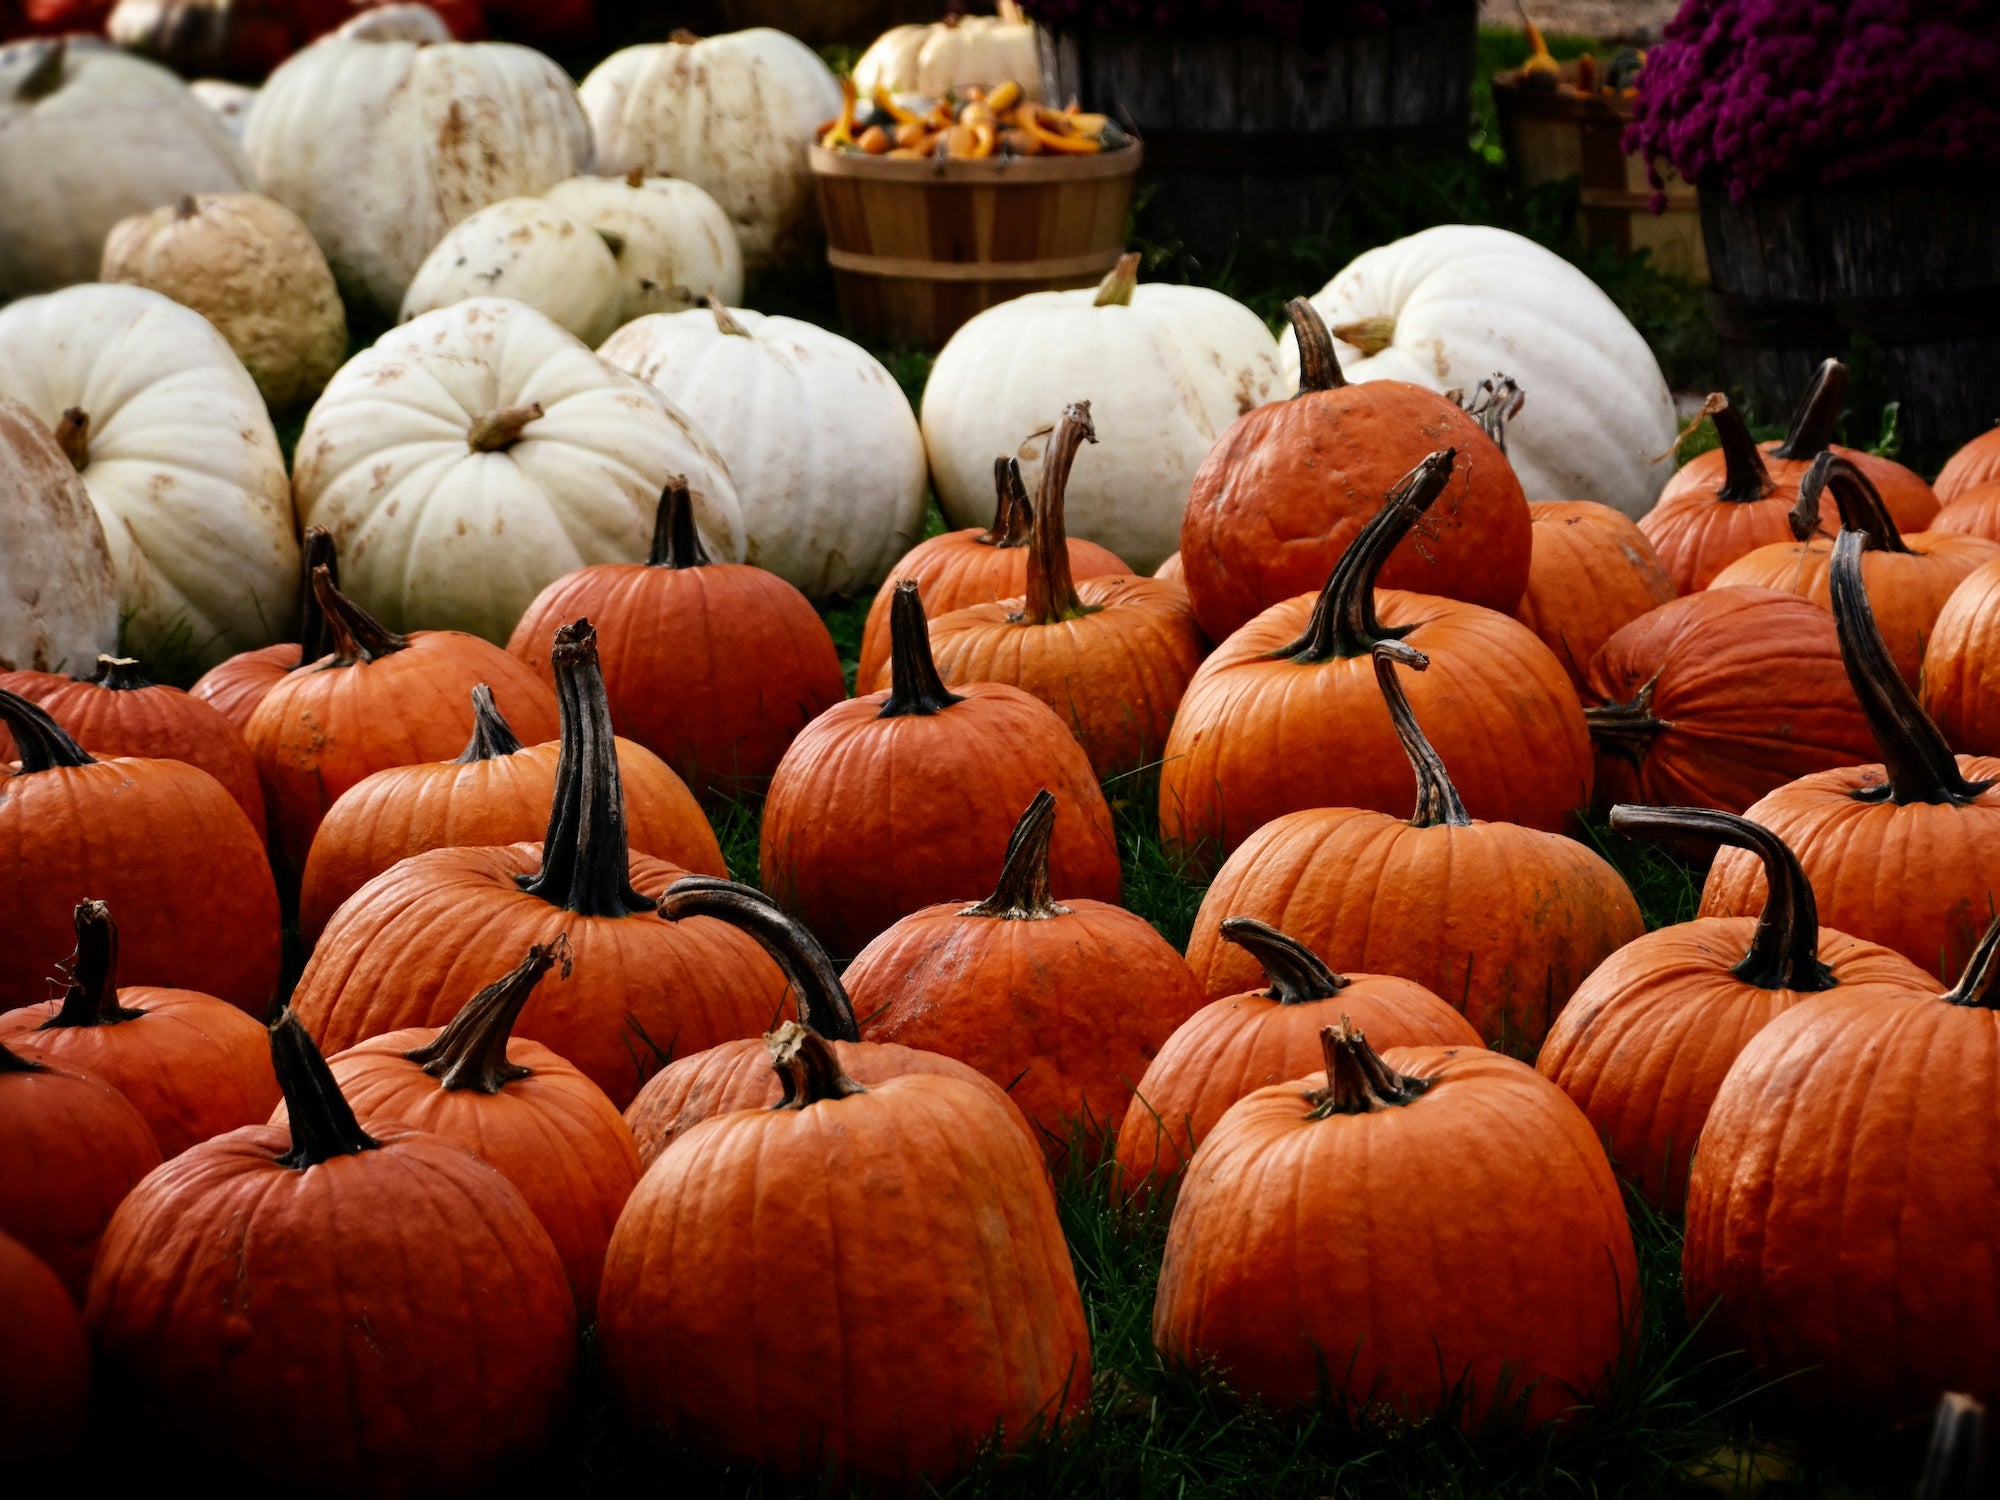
<point x="1013" y="515"/>
<point x="1784" y="951"/>
<point x="1438" y="801"/>
<point x="1979" y="984"/>
<point x="1357" y="1081"/>
<point x="1628" y="728"/>
<point x="121" y="674"/>
<point x="1854" y="495"/>
<point x="1919" y="765"/>
<point x="357" y="635"/>
<point x="1051" y="589"/>
<point x="1955" y="1466"/>
<point x="41" y="743"/>
<point x="1022" y="893"/>
<point x="492" y="735"/>
<point x="807" y="1068"/>
<point x="586" y="863"/>
<point x="1298" y="975"/>
<point x="315" y="635"/>
<point x="471" y="1053"/>
<point x="1817" y="414"/>
<point x="323" y="1123"/>
<point x="1343" y="620"/>
<point x="816" y="987"/>
<point x="92" y="996"/>
<point x="1319" y="366"/>
<point x="915" y="689"/>
<point x="676" y="541"/>
<point x="1744" y="476"/>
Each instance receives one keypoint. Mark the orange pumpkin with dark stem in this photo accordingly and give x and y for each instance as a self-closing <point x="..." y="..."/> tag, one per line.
<point x="1719" y="505"/>
<point x="714" y="667"/>
<point x="1428" y="1230"/>
<point x="1861" y="831"/>
<point x="160" y="841"/>
<point x="329" y="1289"/>
<point x="1909" y="578"/>
<point x="737" y="1075"/>
<point x="1501" y="921"/>
<point x="497" y="791"/>
<point x="1974" y="511"/>
<point x="1842" y="1210"/>
<point x="1593" y="572"/>
<point x="1645" y="1041"/>
<point x="1300" y="676"/>
<point x="892" y="802"/>
<point x="1233" y="1047"/>
<point x="1287" y="491"/>
<point x="118" y="710"/>
<point x="191" y="1064"/>
<point x="71" y="1148"/>
<point x="1972" y="466"/>
<point x="44" y="1363"/>
<point x="1061" y="1004"/>
<point x="941" y="1289"/>
<point x="535" y="1119"/>
<point x="235" y="687"/>
<point x="419" y="940"/>
<point x="1962" y="664"/>
<point x="1719" y="697"/>
<point x="1111" y="656"/>
<point x="972" y="566"/>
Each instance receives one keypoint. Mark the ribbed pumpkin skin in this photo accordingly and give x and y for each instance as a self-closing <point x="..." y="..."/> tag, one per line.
<point x="1644" y="1043"/>
<point x="421" y="939"/>
<point x="192" y="1065"/>
<point x="1465" y="912"/>
<point x="1749" y="687"/>
<point x="943" y="1301"/>
<point x="714" y="669"/>
<point x="1922" y="879"/>
<point x="1962" y="668"/>
<point x="1232" y="1047"/>
<point x="554" y="1135"/>
<point x="335" y="1311"/>
<point x="1977" y="463"/>
<point x="505" y="799"/>
<point x="1495" y="703"/>
<point x="1592" y="572"/>
<point x="1475" y="1230"/>
<point x="1973" y="511"/>
<point x="235" y="687"/>
<point x="1846" y="1175"/>
<point x="44" y="1361"/>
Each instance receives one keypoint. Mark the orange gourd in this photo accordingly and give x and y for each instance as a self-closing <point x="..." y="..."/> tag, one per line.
<point x="1973" y="511"/>
<point x="1972" y="466"/>
<point x="1961" y="688"/>
<point x="1593" y="572"/>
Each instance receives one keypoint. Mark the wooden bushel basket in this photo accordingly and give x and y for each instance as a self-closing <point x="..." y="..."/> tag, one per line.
<point x="919" y="247"/>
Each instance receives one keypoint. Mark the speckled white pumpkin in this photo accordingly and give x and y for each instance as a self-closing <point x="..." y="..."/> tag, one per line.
<point x="58" y="592"/>
<point x="179" y="457"/>
<point x="820" y="439"/>
<point x="1450" y="306"/>
<point x="230" y="101"/>
<point x="1167" y="370"/>
<point x="674" y="245"/>
<point x="530" y="250"/>
<point x="479" y="452"/>
<point x="953" y="54"/>
<point x="733" y="114"/>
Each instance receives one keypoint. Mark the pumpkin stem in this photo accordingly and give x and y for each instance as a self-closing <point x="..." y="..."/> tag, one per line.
<point x="46" y="76"/>
<point x="323" y="1123"/>
<point x="1013" y="514"/>
<point x="1357" y="1081"/>
<point x="501" y="429"/>
<point x="807" y="1068"/>
<point x="1438" y="801"/>
<point x="1628" y="728"/>
<point x="1319" y="366"/>
<point x="1022" y="892"/>
<point x="636" y="177"/>
<point x="816" y="988"/>
<point x="1051" y="588"/>
<point x="1784" y="950"/>
<point x="676" y="539"/>
<point x="41" y="743"/>
<point x="120" y="674"/>
<point x="1343" y="620"/>
<point x="586" y="863"/>
<point x="915" y="689"/>
<point x="73" y="437"/>
<point x="186" y="206"/>
<point x="492" y="735"/>
<point x="92" y="996"/>
<point x="1116" y="289"/>
<point x="1919" y="765"/>
<point x="471" y="1052"/>
<point x="1818" y="413"/>
<point x="725" y="321"/>
<point x="357" y="635"/>
<point x="1979" y="984"/>
<point x="1854" y="495"/>
<point x="1955" y="1466"/>
<point x="315" y="635"/>
<point x="1298" y="975"/>
<point x="1744" y="477"/>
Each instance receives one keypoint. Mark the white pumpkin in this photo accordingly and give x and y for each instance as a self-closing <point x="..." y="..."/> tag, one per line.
<point x="230" y="101"/>
<point x="89" y="136"/>
<point x="479" y="452"/>
<point x="531" y="251"/>
<point x="381" y="146"/>
<point x="820" y="440"/>
<point x="58" y="592"/>
<point x="733" y="114"/>
<point x="674" y="245"/>
<point x="951" y="55"/>
<point x="396" y="23"/>
<point x="247" y="264"/>
<point x="1450" y="306"/>
<point x="1167" y="370"/>
<point x="178" y="454"/>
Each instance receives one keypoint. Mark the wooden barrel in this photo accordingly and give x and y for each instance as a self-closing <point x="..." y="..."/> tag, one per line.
<point x="1903" y="280"/>
<point x="918" y="247"/>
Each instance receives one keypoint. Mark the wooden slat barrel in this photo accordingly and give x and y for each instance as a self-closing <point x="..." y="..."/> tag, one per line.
<point x="919" y="247"/>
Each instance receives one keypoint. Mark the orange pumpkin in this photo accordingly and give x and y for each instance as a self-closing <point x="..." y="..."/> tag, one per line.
<point x="1234" y="1046"/>
<point x="1593" y="572"/>
<point x="235" y="687"/>
<point x="1718" y="505"/>
<point x="1974" y="511"/>
<point x="44" y="1363"/>
<point x="1962" y="664"/>
<point x="1974" y="465"/>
